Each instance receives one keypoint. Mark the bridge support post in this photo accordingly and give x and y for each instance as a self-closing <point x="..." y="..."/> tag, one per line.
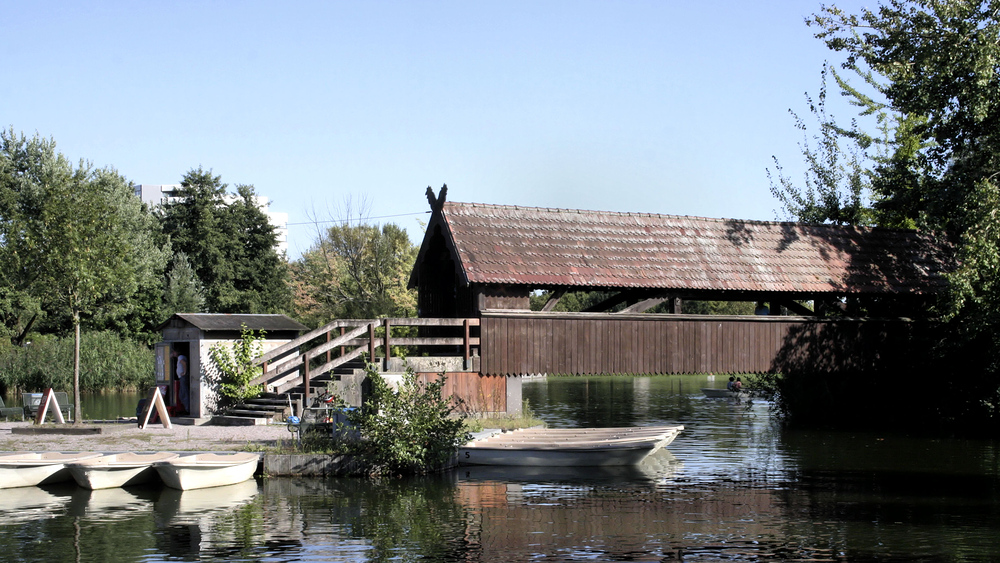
<point x="465" y="355"/>
<point x="385" y="344"/>
<point x="305" y="376"/>
<point x="371" y="342"/>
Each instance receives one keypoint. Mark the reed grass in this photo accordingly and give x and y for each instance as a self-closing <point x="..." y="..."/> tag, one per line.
<point x="107" y="363"/>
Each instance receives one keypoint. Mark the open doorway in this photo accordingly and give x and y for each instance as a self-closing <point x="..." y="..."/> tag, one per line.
<point x="180" y="378"/>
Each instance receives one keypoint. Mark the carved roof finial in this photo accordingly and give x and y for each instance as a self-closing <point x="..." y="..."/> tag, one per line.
<point x="437" y="202"/>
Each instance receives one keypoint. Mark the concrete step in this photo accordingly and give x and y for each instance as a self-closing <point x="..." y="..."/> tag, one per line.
<point x="231" y="420"/>
<point x="280" y="406"/>
<point x="266" y="415"/>
<point x="277" y="401"/>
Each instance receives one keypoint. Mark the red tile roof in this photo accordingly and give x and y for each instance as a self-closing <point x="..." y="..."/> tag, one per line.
<point x="539" y="247"/>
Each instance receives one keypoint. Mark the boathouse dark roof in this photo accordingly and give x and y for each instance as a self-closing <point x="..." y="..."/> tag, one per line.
<point x="211" y="322"/>
<point x="541" y="247"/>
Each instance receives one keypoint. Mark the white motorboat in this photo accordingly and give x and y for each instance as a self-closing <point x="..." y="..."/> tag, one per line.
<point x="116" y="470"/>
<point x="200" y="471"/>
<point x="27" y="469"/>
<point x="568" y="447"/>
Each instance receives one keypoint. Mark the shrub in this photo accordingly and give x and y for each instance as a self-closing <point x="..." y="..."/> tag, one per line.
<point x="107" y="362"/>
<point x="235" y="366"/>
<point x="406" y="430"/>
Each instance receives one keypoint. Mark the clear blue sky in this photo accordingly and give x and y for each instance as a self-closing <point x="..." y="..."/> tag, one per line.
<point x="660" y="106"/>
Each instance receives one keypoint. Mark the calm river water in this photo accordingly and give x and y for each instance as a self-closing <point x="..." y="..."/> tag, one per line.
<point x="732" y="487"/>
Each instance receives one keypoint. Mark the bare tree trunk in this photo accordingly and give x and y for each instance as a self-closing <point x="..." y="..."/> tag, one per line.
<point x="77" y="415"/>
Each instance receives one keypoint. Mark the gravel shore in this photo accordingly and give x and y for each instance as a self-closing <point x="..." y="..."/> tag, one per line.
<point x="122" y="437"/>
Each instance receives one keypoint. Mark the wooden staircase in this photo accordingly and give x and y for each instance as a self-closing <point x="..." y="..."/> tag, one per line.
<point x="307" y="365"/>
<point x="276" y="407"/>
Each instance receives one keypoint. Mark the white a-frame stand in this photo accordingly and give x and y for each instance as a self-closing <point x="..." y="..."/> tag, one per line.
<point x="49" y="398"/>
<point x="155" y="401"/>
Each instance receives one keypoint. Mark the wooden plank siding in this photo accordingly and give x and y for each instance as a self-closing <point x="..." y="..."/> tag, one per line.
<point x="481" y="394"/>
<point x="562" y="343"/>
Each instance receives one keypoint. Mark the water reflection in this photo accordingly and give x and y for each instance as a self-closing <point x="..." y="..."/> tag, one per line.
<point x="102" y="505"/>
<point x="27" y="504"/>
<point x="733" y="487"/>
<point x="659" y="466"/>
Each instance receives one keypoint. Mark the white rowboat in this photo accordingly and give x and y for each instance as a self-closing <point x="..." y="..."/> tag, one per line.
<point x="200" y="471"/>
<point x="116" y="470"/>
<point x="30" y="469"/>
<point x="568" y="447"/>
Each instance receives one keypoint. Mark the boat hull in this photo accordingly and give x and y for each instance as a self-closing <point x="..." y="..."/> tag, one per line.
<point x="724" y="394"/>
<point x="561" y="448"/>
<point x="201" y="471"/>
<point x="117" y="470"/>
<point x="31" y="469"/>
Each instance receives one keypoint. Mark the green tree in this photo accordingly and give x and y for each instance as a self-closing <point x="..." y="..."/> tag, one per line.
<point x="940" y="60"/>
<point x="571" y="301"/>
<point x="356" y="271"/>
<point x="183" y="292"/>
<point x="230" y="245"/>
<point x="934" y="66"/>
<point x="75" y="238"/>
<point x="837" y="181"/>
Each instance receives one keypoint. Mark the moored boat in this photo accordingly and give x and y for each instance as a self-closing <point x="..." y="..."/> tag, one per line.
<point x="116" y="470"/>
<point x="568" y="447"/>
<point x="724" y="393"/>
<point x="200" y="471"/>
<point x="27" y="469"/>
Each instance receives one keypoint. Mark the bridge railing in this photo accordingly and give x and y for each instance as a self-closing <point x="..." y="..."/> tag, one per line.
<point x="320" y="351"/>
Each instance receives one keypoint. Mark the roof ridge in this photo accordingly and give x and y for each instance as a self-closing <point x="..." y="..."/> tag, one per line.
<point x="825" y="226"/>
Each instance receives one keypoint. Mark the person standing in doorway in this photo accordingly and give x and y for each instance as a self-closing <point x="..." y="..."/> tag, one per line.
<point x="182" y="376"/>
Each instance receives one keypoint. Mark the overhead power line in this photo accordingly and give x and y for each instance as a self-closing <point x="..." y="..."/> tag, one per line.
<point x="358" y="219"/>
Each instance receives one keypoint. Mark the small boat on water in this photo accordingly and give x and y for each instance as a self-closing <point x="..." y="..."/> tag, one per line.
<point x="568" y="447"/>
<point x="117" y="470"/>
<point x="200" y="471"/>
<point x="724" y="393"/>
<point x="27" y="469"/>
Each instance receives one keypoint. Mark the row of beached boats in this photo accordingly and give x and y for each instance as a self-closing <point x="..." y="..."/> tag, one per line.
<point x="93" y="470"/>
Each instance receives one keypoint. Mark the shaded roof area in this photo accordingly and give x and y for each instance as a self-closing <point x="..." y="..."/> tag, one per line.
<point x="539" y="247"/>
<point x="228" y="322"/>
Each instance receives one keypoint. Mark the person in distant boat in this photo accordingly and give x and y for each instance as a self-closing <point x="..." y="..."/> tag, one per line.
<point x="732" y="382"/>
<point x="737" y="385"/>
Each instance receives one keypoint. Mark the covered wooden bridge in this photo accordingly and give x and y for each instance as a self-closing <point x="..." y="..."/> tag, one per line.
<point x="859" y="285"/>
<point x="832" y="295"/>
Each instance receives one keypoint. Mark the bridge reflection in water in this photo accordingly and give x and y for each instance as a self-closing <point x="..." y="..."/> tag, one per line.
<point x="732" y="487"/>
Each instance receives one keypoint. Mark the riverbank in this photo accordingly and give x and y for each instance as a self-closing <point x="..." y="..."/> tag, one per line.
<point x="120" y="437"/>
<point x="127" y="437"/>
